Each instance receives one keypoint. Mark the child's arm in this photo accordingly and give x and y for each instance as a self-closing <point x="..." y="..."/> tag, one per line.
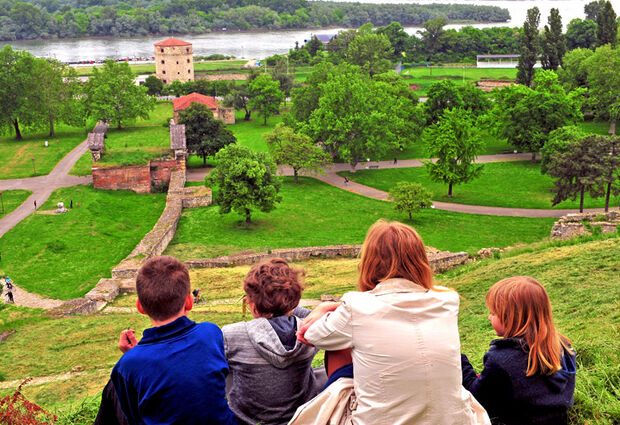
<point x="492" y="388"/>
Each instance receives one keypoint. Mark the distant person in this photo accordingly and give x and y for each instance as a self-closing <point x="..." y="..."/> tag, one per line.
<point x="9" y="291"/>
<point x="196" y="294"/>
<point x="346" y="180"/>
<point x="529" y="373"/>
<point x="176" y="374"/>
<point x="35" y="204"/>
<point x="271" y="370"/>
<point x="395" y="160"/>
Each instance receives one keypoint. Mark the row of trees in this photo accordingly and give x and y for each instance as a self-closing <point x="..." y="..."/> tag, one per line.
<point x="66" y="18"/>
<point x="38" y="93"/>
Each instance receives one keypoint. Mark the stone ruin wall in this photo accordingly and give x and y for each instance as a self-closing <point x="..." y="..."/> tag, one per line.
<point x="582" y="224"/>
<point x="139" y="178"/>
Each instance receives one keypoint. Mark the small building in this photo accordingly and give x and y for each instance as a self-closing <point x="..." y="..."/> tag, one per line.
<point x="500" y="61"/>
<point x="219" y="112"/>
<point x="174" y="60"/>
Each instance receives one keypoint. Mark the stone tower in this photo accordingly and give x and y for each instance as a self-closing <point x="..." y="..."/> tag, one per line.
<point x="174" y="60"/>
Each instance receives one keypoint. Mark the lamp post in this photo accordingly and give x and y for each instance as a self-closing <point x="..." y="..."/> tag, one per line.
<point x="34" y="170"/>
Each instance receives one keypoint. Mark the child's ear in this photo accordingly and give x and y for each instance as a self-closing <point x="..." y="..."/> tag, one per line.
<point x="189" y="303"/>
<point x="139" y="307"/>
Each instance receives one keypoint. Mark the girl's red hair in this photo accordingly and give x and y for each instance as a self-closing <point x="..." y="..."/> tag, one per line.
<point x="393" y="249"/>
<point x="523" y="308"/>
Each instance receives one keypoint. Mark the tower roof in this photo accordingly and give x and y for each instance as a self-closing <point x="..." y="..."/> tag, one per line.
<point x="172" y="42"/>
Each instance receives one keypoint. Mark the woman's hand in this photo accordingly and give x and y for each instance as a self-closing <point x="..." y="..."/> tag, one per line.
<point x="316" y="314"/>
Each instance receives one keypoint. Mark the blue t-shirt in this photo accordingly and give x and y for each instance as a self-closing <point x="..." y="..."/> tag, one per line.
<point x="175" y="375"/>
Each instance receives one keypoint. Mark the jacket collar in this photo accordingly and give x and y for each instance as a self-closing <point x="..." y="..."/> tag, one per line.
<point x="395" y="285"/>
<point x="159" y="333"/>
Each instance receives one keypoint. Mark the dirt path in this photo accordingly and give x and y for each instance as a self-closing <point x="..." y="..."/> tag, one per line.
<point x="330" y="177"/>
<point x="24" y="298"/>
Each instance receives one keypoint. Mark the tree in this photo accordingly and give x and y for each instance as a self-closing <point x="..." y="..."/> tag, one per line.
<point x="553" y="42"/>
<point x="593" y="8"/>
<point x="581" y="33"/>
<point x="607" y="27"/>
<point x="245" y="181"/>
<point x="280" y="73"/>
<point x="612" y="169"/>
<point x="432" y="35"/>
<point x="574" y="72"/>
<point x="19" y="95"/>
<point x="112" y="96"/>
<point x="314" y="46"/>
<point x="306" y="98"/>
<point x="475" y="101"/>
<point x="370" y="52"/>
<point x="441" y="96"/>
<point x="204" y="134"/>
<point x="265" y="96"/>
<point x="578" y="169"/>
<point x="399" y="39"/>
<point x="375" y="119"/>
<point x="453" y="141"/>
<point x="154" y="85"/>
<point x="410" y="198"/>
<point x="530" y="46"/>
<point x="295" y="150"/>
<point x="526" y="116"/>
<point x="239" y="99"/>
<point x="559" y="142"/>
<point x="604" y="82"/>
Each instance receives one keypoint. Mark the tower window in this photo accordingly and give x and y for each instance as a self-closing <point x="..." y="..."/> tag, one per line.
<point x="188" y="61"/>
<point x="189" y="72"/>
<point x="162" y="61"/>
<point x="187" y="49"/>
<point x="162" y="50"/>
<point x="177" y="62"/>
<point x="163" y="71"/>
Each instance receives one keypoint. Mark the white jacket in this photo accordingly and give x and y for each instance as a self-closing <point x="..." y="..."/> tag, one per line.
<point x="405" y="346"/>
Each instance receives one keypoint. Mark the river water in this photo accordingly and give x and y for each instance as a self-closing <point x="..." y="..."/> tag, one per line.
<point x="262" y="44"/>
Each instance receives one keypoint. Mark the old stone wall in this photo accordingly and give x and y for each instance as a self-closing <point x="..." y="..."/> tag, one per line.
<point x="581" y="224"/>
<point x="136" y="178"/>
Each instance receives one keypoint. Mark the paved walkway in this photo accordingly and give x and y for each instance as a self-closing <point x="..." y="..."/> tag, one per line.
<point x="43" y="186"/>
<point x="330" y="177"/>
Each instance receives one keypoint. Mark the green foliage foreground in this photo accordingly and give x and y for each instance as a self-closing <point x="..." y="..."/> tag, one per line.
<point x="582" y="279"/>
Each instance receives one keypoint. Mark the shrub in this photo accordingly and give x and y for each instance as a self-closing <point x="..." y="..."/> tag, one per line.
<point x="17" y="410"/>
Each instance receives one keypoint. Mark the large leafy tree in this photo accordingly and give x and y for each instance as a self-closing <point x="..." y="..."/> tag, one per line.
<point x="295" y="150"/>
<point x="553" y="42"/>
<point x="399" y="39"/>
<point x="442" y="95"/>
<point x="526" y="116"/>
<point x="112" y="96"/>
<point x="578" y="168"/>
<point x="358" y="117"/>
<point x="204" y="134"/>
<point x="265" y="96"/>
<point x="455" y="144"/>
<point x="581" y="34"/>
<point x="370" y="52"/>
<point x="19" y="91"/>
<point x="306" y="98"/>
<point x="409" y="197"/>
<point x="530" y="46"/>
<point x="607" y="27"/>
<point x="245" y="181"/>
<point x="574" y="71"/>
<point x="432" y="36"/>
<point x="604" y="82"/>
<point x="153" y="85"/>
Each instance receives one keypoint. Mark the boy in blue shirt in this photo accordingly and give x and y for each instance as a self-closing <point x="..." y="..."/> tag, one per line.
<point x="176" y="374"/>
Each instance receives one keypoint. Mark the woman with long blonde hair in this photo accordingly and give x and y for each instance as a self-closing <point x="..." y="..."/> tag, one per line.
<point x="529" y="373"/>
<point x="401" y="332"/>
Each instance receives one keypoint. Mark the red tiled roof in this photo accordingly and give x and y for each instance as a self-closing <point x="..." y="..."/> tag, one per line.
<point x="185" y="101"/>
<point x="173" y="42"/>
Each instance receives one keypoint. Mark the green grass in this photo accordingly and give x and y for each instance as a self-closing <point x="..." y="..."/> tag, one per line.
<point x="313" y="213"/>
<point x="250" y="133"/>
<point x="581" y="276"/>
<point x="149" y="68"/>
<point x="64" y="256"/>
<point x="424" y="77"/>
<point x="501" y="184"/>
<point x="12" y="199"/>
<point x="16" y="156"/>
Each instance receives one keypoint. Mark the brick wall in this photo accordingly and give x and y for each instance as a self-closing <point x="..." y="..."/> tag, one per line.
<point x="161" y="170"/>
<point x="136" y="178"/>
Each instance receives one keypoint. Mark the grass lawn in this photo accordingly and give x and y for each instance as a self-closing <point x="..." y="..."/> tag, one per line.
<point x="16" y="156"/>
<point x="501" y="184"/>
<point x="582" y="278"/>
<point x="423" y="77"/>
<point x="12" y="199"/>
<point x="313" y="213"/>
<point x="250" y="133"/>
<point x="64" y="256"/>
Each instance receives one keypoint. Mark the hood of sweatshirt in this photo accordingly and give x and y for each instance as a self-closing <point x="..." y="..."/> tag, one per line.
<point x="275" y="340"/>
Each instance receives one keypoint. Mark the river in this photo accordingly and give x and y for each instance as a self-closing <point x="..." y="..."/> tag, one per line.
<point x="262" y="44"/>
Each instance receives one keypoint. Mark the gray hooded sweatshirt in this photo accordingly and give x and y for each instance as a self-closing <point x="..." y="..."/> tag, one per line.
<point x="269" y="380"/>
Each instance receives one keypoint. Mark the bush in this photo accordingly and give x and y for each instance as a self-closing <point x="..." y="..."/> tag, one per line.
<point x="17" y="410"/>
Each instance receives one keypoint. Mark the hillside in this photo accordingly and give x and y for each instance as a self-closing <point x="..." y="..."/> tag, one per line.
<point x="583" y="280"/>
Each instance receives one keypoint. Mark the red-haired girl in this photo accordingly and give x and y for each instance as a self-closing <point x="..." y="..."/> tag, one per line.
<point x="529" y="373"/>
<point x="402" y="335"/>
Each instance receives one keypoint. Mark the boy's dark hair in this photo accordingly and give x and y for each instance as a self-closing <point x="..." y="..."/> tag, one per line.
<point x="273" y="287"/>
<point x="162" y="285"/>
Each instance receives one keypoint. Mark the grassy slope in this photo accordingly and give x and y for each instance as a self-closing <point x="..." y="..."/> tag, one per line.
<point x="424" y="77"/>
<point x="12" y="199"/>
<point x="313" y="213"/>
<point x="16" y="156"/>
<point x="501" y="184"/>
<point x="582" y="279"/>
<point x="63" y="256"/>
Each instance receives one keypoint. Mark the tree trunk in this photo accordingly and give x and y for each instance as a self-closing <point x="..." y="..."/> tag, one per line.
<point x="295" y="174"/>
<point x="18" y="134"/>
<point x="410" y="218"/>
<point x="52" y="133"/>
<point x="449" y="190"/>
<point x="607" y="196"/>
<point x="247" y="115"/>
<point x="247" y="216"/>
<point x="119" y="125"/>
<point x="204" y="160"/>
<point x="533" y="156"/>
<point x="583" y="190"/>
<point x="265" y="122"/>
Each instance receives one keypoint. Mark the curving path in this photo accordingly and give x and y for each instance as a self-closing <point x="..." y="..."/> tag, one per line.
<point x="330" y="177"/>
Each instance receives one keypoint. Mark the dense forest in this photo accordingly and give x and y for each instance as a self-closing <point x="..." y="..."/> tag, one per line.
<point x="22" y="20"/>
